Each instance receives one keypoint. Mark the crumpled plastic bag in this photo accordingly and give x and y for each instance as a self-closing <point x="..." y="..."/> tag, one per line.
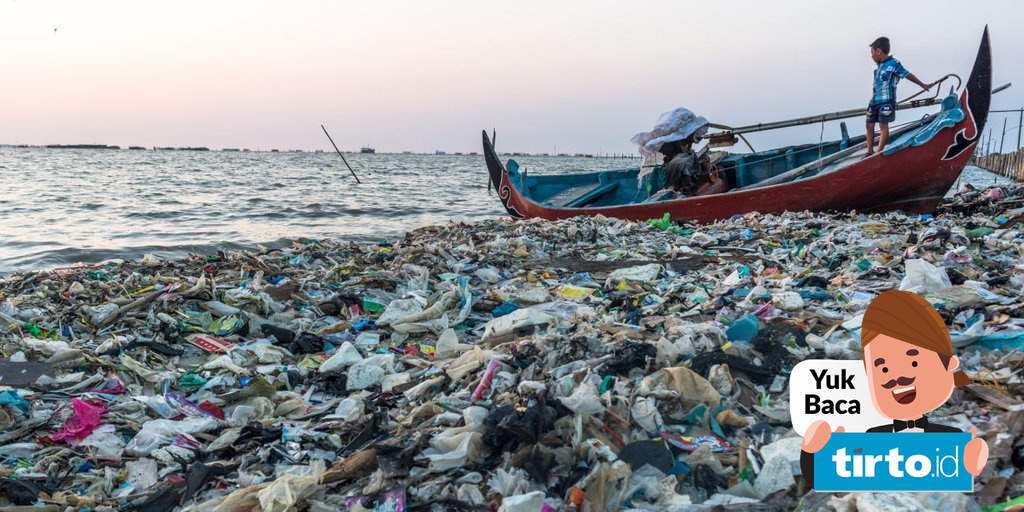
<point x="450" y="452"/>
<point x="346" y="355"/>
<point x="681" y="382"/>
<point x="157" y="433"/>
<point x="529" y="502"/>
<point x="401" y="308"/>
<point x="226" y="363"/>
<point x="646" y="415"/>
<point x="466" y="363"/>
<point x="968" y="335"/>
<point x="584" y="399"/>
<point x="923" y="277"/>
<point x="456" y="447"/>
<point x="448" y="345"/>
<point x="645" y="273"/>
<point x="521" y="322"/>
<point x="105" y="442"/>
<point x="509" y="482"/>
<point x="285" y="493"/>
<point x="452" y="308"/>
<point x="82" y="422"/>
<point x="11" y="397"/>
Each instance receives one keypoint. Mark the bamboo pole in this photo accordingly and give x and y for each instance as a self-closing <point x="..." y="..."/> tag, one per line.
<point x="341" y="155"/>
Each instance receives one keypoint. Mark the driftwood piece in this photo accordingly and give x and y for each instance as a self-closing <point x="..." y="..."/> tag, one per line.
<point x="994" y="397"/>
<point x="355" y="466"/>
<point x="137" y="303"/>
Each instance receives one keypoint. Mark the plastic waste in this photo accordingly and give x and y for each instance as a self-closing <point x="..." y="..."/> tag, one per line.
<point x="645" y="273"/>
<point x="158" y="433"/>
<point x="362" y="376"/>
<point x="519" y="323"/>
<point x="923" y="277"/>
<point x="531" y="502"/>
<point x="491" y="364"/>
<point x="82" y="422"/>
<point x="346" y="356"/>
<point x="744" y="329"/>
<point x="11" y="397"/>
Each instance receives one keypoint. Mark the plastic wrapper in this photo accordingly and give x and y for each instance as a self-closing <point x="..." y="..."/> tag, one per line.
<point x="82" y="422"/>
<point x="923" y="277"/>
<point x="692" y="443"/>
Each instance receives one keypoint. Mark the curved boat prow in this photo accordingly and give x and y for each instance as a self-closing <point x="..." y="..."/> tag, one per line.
<point x="498" y="172"/>
<point x="979" y="84"/>
<point x="976" y="98"/>
<point x="494" y="167"/>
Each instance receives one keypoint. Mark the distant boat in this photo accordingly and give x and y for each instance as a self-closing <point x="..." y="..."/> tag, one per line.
<point x="917" y="167"/>
<point x="439" y="152"/>
<point x="367" y="149"/>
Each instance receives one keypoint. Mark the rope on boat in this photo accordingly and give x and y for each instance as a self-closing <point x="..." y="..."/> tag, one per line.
<point x="938" y="89"/>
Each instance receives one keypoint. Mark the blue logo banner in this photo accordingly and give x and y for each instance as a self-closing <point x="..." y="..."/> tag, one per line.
<point x="911" y="461"/>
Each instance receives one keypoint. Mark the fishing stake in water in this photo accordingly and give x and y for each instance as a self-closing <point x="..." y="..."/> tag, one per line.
<point x="341" y="155"/>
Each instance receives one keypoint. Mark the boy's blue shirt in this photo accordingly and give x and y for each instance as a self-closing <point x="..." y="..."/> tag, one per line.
<point x="887" y="75"/>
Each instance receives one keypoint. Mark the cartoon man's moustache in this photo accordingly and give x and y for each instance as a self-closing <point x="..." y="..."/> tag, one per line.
<point x="902" y="381"/>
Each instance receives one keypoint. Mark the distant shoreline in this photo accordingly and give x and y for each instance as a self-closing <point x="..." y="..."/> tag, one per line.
<point x="247" y="150"/>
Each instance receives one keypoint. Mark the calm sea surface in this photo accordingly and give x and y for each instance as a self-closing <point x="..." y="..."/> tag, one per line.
<point x="62" y="206"/>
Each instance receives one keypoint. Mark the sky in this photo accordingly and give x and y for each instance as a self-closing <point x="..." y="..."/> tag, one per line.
<point x="569" y="76"/>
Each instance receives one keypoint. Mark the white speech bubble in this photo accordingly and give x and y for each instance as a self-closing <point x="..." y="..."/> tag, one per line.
<point x="802" y="383"/>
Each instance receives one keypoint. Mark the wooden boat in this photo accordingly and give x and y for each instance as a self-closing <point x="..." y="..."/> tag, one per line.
<point x="918" y="166"/>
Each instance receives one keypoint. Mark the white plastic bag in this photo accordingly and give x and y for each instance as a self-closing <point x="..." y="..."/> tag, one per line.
<point x="584" y="399"/>
<point x="923" y="277"/>
<point x="346" y="355"/>
<point x="520" y="322"/>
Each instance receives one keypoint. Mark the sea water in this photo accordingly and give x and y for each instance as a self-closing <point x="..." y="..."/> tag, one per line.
<point x="62" y="206"/>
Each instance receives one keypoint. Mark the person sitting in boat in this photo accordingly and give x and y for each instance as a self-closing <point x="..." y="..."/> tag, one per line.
<point x="689" y="174"/>
<point x="674" y="134"/>
<point x="683" y="170"/>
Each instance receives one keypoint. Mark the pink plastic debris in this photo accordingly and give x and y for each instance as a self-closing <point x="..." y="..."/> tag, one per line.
<point x="82" y="422"/>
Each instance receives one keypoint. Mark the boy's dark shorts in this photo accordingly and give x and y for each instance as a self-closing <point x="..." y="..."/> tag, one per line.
<point x="882" y="113"/>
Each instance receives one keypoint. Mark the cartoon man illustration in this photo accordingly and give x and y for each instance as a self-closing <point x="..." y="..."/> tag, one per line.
<point x="911" y="370"/>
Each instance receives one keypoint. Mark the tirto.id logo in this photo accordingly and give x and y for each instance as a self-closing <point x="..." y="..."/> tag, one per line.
<point x="889" y="462"/>
<point x="917" y="466"/>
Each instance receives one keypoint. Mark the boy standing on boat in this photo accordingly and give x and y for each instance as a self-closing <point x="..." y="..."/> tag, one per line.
<point x="882" y="108"/>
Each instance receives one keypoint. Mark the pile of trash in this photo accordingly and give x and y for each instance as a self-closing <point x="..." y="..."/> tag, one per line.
<point x="589" y="364"/>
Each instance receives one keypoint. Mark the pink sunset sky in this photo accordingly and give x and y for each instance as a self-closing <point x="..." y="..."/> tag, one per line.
<point x="566" y="76"/>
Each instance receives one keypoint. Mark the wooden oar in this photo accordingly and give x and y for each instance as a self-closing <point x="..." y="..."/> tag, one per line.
<point x="341" y="155"/>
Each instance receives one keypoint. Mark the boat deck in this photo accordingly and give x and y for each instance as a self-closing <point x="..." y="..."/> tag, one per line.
<point x="569" y="195"/>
